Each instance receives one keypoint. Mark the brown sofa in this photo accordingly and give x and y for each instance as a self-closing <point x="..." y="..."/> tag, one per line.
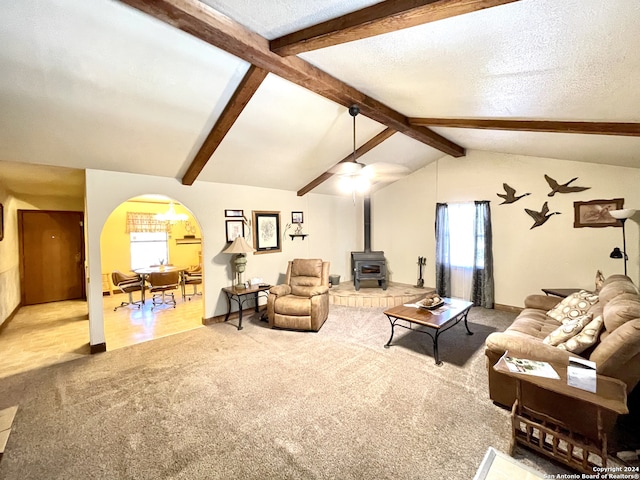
<point x="302" y="302"/>
<point x="616" y="352"/>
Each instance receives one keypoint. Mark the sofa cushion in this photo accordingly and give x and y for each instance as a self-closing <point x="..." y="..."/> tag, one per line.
<point x="612" y="289"/>
<point x="533" y="323"/>
<point x="307" y="267"/>
<point x="587" y="337"/>
<point x="616" y="277"/>
<point x="619" y="311"/>
<point x="293" y="305"/>
<point x="574" y="306"/>
<point x="567" y="330"/>
<point x="309" y="291"/>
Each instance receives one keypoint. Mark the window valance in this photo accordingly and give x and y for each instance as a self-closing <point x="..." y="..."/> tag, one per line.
<point x="144" y="222"/>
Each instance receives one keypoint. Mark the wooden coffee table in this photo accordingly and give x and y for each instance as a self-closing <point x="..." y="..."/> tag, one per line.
<point x="440" y="320"/>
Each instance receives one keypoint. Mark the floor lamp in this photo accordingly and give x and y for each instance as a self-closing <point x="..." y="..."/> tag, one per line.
<point x="622" y="215"/>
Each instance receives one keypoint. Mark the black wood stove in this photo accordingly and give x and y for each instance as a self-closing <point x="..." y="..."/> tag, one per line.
<point x="368" y="265"/>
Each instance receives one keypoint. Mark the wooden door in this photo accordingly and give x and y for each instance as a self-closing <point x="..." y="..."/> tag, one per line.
<point x="51" y="256"/>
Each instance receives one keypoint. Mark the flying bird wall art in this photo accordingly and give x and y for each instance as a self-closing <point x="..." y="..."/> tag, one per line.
<point x="510" y="195"/>
<point x="563" y="188"/>
<point x="539" y="218"/>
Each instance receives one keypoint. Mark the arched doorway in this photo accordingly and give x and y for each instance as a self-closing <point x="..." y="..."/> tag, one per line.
<point x="136" y="235"/>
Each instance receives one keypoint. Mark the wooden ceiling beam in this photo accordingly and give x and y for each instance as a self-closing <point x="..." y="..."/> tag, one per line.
<point x="383" y="17"/>
<point x="371" y="144"/>
<point x="247" y="87"/>
<point x="587" y="128"/>
<point x="210" y="26"/>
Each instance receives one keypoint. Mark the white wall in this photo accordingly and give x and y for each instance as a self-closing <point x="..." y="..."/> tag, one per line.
<point x="553" y="255"/>
<point x="328" y="220"/>
<point x="9" y="265"/>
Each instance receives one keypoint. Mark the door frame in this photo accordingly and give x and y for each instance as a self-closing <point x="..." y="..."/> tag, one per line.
<point x="21" y="213"/>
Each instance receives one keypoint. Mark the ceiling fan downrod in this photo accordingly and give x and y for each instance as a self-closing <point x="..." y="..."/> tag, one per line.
<point x="354" y="110"/>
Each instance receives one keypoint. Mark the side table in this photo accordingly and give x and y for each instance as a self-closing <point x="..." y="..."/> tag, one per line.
<point x="552" y="437"/>
<point x="242" y="295"/>
<point x="560" y="292"/>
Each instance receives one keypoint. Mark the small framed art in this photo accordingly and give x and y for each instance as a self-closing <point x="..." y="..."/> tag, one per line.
<point x="595" y="213"/>
<point x="234" y="228"/>
<point x="266" y="232"/>
<point x="297" y="217"/>
<point x="234" y="213"/>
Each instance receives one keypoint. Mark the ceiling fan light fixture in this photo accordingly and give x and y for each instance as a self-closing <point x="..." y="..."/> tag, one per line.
<point x="354" y="184"/>
<point x="348" y="168"/>
<point x="361" y="184"/>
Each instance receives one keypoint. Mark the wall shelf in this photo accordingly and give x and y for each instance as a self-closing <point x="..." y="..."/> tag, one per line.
<point x="188" y="241"/>
<point x="294" y="235"/>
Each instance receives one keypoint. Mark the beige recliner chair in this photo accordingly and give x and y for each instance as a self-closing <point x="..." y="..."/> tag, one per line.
<point x="302" y="302"/>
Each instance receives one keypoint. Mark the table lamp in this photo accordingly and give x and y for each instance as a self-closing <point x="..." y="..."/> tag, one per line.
<point x="622" y="215"/>
<point x="240" y="248"/>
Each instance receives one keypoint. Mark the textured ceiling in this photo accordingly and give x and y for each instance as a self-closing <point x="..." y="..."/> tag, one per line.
<point x="97" y="84"/>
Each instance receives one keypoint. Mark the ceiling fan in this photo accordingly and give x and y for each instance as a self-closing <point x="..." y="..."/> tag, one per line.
<point x="357" y="176"/>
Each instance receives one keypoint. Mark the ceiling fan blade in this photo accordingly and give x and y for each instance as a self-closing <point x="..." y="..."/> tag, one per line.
<point x="385" y="169"/>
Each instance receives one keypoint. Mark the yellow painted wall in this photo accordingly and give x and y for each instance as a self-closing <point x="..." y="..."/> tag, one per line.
<point x="114" y="241"/>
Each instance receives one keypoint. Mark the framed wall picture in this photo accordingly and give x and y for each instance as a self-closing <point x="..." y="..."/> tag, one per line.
<point x="297" y="217"/>
<point x="1" y="222"/>
<point x="234" y="213"/>
<point x="234" y="228"/>
<point x="266" y="232"/>
<point x="595" y="213"/>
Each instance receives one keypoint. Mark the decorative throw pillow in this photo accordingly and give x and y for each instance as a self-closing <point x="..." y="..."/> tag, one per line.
<point x="587" y="337"/>
<point x="599" y="280"/>
<point x="574" y="306"/>
<point x="567" y="330"/>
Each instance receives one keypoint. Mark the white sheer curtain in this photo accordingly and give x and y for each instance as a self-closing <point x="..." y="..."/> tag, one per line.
<point x="462" y="238"/>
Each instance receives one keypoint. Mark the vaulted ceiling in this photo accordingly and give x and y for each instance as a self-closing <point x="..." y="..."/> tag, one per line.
<point x="117" y="85"/>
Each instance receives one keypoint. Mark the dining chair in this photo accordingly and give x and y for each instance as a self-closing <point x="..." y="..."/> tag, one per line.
<point x="127" y="284"/>
<point x="161" y="286"/>
<point x="193" y="276"/>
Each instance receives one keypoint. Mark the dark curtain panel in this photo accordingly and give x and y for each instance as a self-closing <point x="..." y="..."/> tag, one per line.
<point x="482" y="288"/>
<point x="443" y="262"/>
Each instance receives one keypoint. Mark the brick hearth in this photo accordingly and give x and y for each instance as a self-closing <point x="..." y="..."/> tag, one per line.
<point x="371" y="295"/>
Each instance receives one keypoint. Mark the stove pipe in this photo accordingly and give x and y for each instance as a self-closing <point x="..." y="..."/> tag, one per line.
<point x="367" y="223"/>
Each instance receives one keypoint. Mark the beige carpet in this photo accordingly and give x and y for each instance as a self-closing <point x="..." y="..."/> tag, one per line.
<point x="265" y="404"/>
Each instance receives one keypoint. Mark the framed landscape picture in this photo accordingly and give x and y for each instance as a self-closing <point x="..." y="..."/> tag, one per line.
<point x="235" y="229"/>
<point x="595" y="213"/>
<point x="266" y="232"/>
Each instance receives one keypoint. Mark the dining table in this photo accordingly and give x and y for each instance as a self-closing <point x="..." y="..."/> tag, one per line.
<point x="144" y="272"/>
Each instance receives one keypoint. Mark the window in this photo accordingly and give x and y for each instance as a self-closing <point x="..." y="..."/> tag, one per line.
<point x="461" y="236"/>
<point x="148" y="248"/>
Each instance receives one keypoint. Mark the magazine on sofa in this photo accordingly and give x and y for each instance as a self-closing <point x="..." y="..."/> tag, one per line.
<point x="529" y="367"/>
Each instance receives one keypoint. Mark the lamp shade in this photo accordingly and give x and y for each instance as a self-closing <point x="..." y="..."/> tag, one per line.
<point x="616" y="253"/>
<point x="239" y="245"/>
<point x="623" y="213"/>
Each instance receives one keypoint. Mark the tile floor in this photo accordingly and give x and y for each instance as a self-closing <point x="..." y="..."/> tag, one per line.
<point x="40" y="335"/>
